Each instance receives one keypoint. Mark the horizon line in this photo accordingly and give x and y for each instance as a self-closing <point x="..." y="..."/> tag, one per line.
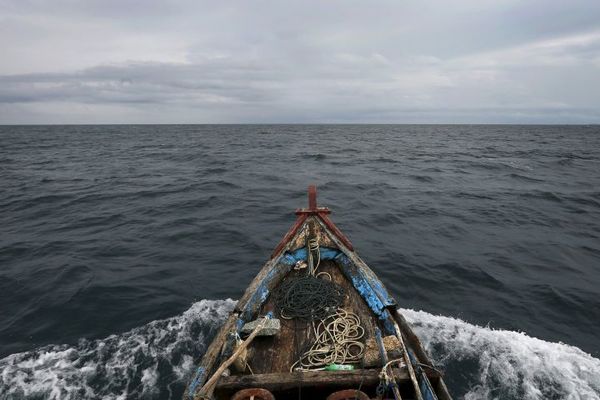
<point x="310" y="123"/>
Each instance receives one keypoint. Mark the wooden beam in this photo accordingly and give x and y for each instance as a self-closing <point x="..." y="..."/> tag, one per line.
<point x="411" y="337"/>
<point x="335" y="230"/>
<point x="209" y="358"/>
<point x="208" y="387"/>
<point x="312" y="197"/>
<point x="287" y="380"/>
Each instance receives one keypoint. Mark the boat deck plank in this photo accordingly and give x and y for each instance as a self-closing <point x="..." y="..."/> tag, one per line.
<point x="284" y="381"/>
<point x="277" y="354"/>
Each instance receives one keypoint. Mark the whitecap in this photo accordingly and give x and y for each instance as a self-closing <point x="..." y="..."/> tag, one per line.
<point x="509" y="365"/>
<point x="155" y="361"/>
<point x="124" y="366"/>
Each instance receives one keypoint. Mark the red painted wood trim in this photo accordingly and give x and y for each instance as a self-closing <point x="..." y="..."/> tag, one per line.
<point x="334" y="229"/>
<point x="290" y="234"/>
<point x="312" y="197"/>
<point x="303" y="214"/>
<point x="316" y="211"/>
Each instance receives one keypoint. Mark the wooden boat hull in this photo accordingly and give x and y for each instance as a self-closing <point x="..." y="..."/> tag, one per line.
<point x="270" y="358"/>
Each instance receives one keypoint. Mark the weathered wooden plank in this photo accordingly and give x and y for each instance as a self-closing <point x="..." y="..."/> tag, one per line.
<point x="364" y="270"/>
<point x="369" y="276"/>
<point x="274" y="354"/>
<point x="251" y="290"/>
<point x="290" y="235"/>
<point x="316" y="231"/>
<point x="354" y="302"/>
<point x="210" y="357"/>
<point x="301" y="254"/>
<point x="208" y="387"/>
<point x="267" y="278"/>
<point x="277" y="354"/>
<point x="365" y="290"/>
<point x="291" y="380"/>
<point x="384" y="358"/>
<point x="268" y="281"/>
<point x="335" y="231"/>
<point x="323" y="237"/>
<point x="378" y="298"/>
<point x="254" y="296"/>
<point x="412" y="339"/>
<point x="440" y="388"/>
<point x="411" y="363"/>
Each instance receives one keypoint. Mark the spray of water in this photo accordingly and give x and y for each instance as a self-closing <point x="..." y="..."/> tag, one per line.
<point x="155" y="361"/>
<point x="152" y="361"/>
<point x="499" y="364"/>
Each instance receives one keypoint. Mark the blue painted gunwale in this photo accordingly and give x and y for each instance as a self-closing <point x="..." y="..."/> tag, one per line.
<point x="197" y="381"/>
<point x="424" y="384"/>
<point x="365" y="287"/>
<point x="368" y="286"/>
<point x="262" y="291"/>
<point x="371" y="290"/>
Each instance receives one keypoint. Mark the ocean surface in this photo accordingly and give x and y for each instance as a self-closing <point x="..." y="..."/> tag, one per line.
<point x="122" y="248"/>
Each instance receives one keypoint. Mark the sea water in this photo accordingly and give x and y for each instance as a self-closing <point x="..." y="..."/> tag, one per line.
<point x="120" y="245"/>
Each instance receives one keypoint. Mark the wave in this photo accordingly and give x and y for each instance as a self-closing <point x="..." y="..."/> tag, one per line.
<point x="150" y="362"/>
<point x="524" y="178"/>
<point x="155" y="361"/>
<point x="506" y="364"/>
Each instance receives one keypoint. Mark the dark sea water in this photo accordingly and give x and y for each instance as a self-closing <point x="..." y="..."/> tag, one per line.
<point x="121" y="247"/>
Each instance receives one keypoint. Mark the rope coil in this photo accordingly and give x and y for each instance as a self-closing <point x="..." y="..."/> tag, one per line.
<point x="337" y="342"/>
<point x="308" y="298"/>
<point x="313" y="247"/>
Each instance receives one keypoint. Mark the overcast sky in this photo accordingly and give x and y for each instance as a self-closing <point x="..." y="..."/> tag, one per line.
<point x="397" y="61"/>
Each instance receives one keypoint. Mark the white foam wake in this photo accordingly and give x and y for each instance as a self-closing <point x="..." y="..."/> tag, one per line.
<point x="152" y="361"/>
<point x="499" y="364"/>
<point x="155" y="361"/>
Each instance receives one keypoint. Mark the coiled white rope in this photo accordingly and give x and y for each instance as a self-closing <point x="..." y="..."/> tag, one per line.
<point x="337" y="341"/>
<point x="313" y="246"/>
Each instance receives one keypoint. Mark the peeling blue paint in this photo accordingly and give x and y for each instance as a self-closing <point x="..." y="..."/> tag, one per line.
<point x="367" y="293"/>
<point x="198" y="380"/>
<point x="257" y="299"/>
<point x="291" y="258"/>
<point x="388" y="322"/>
<point x="261" y="294"/>
<point x="378" y="299"/>
<point x="368" y="286"/>
<point x="374" y="282"/>
<point x="361" y="285"/>
<point x="381" y="291"/>
<point x="426" y="389"/>
<point x="424" y="384"/>
<point x="380" y="344"/>
<point x="239" y="324"/>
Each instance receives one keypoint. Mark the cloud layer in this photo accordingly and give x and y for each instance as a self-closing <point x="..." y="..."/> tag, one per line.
<point x="311" y="61"/>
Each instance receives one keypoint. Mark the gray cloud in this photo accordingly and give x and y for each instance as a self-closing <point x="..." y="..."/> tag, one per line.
<point x="339" y="61"/>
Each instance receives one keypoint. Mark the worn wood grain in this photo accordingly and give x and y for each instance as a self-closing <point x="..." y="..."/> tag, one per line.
<point x="290" y="380"/>
<point x="277" y="354"/>
<point x="411" y="338"/>
<point x="316" y="231"/>
<point x="271" y="357"/>
<point x="209" y="385"/>
<point x="212" y="353"/>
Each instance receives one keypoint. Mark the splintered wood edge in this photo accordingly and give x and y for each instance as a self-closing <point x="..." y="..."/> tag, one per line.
<point x="291" y="380"/>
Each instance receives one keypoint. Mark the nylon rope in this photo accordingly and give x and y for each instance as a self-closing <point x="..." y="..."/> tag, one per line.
<point x="308" y="298"/>
<point x="337" y="341"/>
